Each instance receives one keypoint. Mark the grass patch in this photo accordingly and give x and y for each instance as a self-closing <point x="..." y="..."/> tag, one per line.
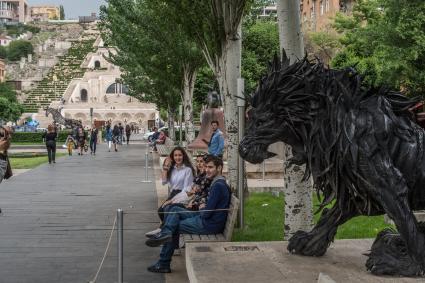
<point x="264" y="221"/>
<point x="29" y="162"/>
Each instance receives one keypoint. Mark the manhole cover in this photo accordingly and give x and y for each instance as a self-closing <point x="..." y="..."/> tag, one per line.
<point x="241" y="248"/>
<point x="203" y="249"/>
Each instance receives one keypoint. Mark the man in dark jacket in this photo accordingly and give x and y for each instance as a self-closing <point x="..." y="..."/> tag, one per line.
<point x="206" y="221"/>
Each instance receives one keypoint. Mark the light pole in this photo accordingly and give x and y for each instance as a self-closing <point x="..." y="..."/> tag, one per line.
<point x="91" y="117"/>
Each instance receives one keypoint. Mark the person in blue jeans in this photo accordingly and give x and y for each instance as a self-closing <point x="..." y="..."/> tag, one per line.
<point x="216" y="143"/>
<point x="205" y="221"/>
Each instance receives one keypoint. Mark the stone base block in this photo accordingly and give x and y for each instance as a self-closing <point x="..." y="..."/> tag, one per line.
<point x="246" y="262"/>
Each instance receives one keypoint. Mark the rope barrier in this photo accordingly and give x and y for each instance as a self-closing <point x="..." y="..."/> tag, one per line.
<point x="183" y="211"/>
<point x="106" y="251"/>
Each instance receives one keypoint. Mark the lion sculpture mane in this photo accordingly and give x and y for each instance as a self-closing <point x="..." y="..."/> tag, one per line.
<point x="362" y="148"/>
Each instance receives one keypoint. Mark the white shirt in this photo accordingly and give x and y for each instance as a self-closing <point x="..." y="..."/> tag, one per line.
<point x="181" y="179"/>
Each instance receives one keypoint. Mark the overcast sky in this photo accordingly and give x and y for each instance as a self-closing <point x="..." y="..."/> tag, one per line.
<point x="73" y="8"/>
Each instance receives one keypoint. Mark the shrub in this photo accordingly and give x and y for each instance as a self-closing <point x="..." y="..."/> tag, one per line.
<point x="3" y="52"/>
<point x="18" y="49"/>
<point x="36" y="137"/>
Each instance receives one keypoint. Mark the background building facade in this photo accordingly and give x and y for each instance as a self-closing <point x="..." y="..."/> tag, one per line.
<point x="316" y="15"/>
<point x="44" y="13"/>
<point x="14" y="11"/>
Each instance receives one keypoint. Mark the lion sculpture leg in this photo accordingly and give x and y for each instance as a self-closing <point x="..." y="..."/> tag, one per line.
<point x="317" y="241"/>
<point x="392" y="253"/>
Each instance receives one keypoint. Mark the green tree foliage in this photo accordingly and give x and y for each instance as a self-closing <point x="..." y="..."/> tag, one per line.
<point x="385" y="39"/>
<point x="205" y="82"/>
<point x="10" y="109"/>
<point x="149" y="48"/>
<point x="3" y="52"/>
<point x="62" y="12"/>
<point x="153" y="52"/>
<point x="260" y="43"/>
<point x="18" y="49"/>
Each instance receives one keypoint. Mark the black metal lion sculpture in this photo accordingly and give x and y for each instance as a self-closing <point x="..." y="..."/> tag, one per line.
<point x="362" y="148"/>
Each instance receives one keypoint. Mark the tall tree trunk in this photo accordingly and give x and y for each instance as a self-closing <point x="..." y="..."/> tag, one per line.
<point x="231" y="71"/>
<point x="298" y="194"/>
<point x="171" y="118"/>
<point x="188" y="87"/>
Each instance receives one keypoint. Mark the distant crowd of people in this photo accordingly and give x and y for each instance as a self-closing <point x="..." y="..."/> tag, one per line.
<point x="117" y="135"/>
<point x="82" y="140"/>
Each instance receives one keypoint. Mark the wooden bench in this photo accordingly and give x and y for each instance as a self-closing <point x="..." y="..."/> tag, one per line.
<point x="165" y="148"/>
<point x="226" y="236"/>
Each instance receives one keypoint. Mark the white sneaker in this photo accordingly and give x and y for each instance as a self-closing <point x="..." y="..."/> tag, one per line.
<point x="181" y="241"/>
<point x="151" y="233"/>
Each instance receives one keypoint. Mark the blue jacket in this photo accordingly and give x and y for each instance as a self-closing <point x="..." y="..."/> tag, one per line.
<point x="108" y="134"/>
<point x="216" y="145"/>
<point x="218" y="198"/>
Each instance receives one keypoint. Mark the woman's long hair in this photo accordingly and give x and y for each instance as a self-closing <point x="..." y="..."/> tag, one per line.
<point x="50" y="128"/>
<point x="186" y="161"/>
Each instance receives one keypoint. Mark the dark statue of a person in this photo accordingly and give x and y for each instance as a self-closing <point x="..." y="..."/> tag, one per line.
<point x="362" y="148"/>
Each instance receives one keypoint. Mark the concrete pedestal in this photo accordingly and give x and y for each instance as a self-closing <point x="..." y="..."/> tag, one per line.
<point x="246" y="262"/>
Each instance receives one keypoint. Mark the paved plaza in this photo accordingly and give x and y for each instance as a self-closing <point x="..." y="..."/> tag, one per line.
<point x="57" y="219"/>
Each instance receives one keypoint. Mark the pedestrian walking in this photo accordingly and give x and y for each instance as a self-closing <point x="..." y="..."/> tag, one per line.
<point x="50" y="138"/>
<point x="108" y="136"/>
<point x="128" y="133"/>
<point x="81" y="139"/>
<point x="93" y="140"/>
<point x="70" y="144"/>
<point x="116" y="136"/>
<point x="121" y="133"/>
<point x="5" y="169"/>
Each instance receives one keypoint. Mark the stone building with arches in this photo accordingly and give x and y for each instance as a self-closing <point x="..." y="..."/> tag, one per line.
<point x="100" y="88"/>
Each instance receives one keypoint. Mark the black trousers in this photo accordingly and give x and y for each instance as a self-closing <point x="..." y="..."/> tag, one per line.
<point x="51" y="151"/>
<point x="93" y="146"/>
<point x="128" y="139"/>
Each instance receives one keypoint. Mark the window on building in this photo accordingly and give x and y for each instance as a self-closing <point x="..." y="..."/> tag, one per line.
<point x="96" y="64"/>
<point x="322" y="7"/>
<point x="327" y="6"/>
<point x="83" y="95"/>
<point x="117" y="88"/>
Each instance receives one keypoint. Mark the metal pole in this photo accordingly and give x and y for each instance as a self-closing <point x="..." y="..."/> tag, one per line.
<point x="120" y="237"/>
<point x="146" y="168"/>
<point x="241" y="167"/>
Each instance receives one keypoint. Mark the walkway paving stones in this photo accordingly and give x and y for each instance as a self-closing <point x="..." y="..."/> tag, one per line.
<point x="57" y="218"/>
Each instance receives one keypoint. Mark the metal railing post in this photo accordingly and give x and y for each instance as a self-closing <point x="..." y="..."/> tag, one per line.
<point x="241" y="165"/>
<point x="120" y="238"/>
<point x="146" y="180"/>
